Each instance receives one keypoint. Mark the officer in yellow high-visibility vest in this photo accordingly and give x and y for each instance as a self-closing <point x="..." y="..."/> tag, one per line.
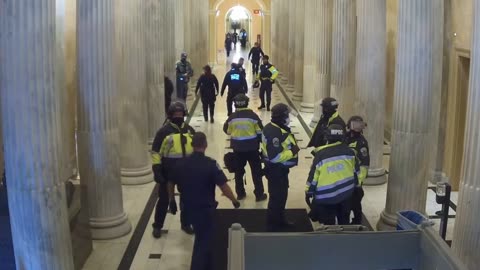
<point x="359" y="144"/>
<point x="268" y="74"/>
<point x="330" y="116"/>
<point x="172" y="143"/>
<point x="280" y="152"/>
<point x="332" y="179"/>
<point x="245" y="130"/>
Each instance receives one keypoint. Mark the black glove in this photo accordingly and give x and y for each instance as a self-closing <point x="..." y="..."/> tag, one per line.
<point x="173" y="207"/>
<point x="295" y="149"/>
<point x="308" y="198"/>
<point x="157" y="173"/>
<point x="236" y="204"/>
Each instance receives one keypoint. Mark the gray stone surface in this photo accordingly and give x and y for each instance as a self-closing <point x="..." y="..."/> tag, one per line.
<point x="98" y="133"/>
<point x="324" y="32"/>
<point x="414" y="89"/>
<point x="31" y="108"/>
<point x="370" y="81"/>
<point x="155" y="30"/>
<point x="466" y="236"/>
<point x="130" y="29"/>
<point x="343" y="55"/>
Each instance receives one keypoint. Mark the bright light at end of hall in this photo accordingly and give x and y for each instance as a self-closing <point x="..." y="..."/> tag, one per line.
<point x="238" y="13"/>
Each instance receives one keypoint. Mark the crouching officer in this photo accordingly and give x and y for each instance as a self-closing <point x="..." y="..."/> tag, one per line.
<point x="172" y="143"/>
<point x="332" y="179"/>
<point x="359" y="144"/>
<point x="236" y="83"/>
<point x="268" y="74"/>
<point x="245" y="130"/>
<point x="329" y="117"/>
<point x="280" y="151"/>
<point x="196" y="177"/>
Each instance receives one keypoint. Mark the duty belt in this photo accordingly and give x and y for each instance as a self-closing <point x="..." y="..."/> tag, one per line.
<point x="265" y="78"/>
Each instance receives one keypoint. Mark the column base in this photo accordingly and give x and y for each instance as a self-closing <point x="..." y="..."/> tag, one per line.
<point x="137" y="176"/>
<point x="376" y="177"/>
<point x="150" y="141"/>
<point x="290" y="88"/>
<point x="387" y="222"/>
<point x="314" y="122"/>
<point x="307" y="107"/>
<point x="297" y="97"/>
<point x="110" y="228"/>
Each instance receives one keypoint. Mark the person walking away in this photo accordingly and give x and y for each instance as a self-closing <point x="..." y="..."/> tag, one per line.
<point x="245" y="130"/>
<point x="280" y="152"/>
<point x="184" y="73"/>
<point x="169" y="88"/>
<point x="268" y="74"/>
<point x="228" y="45"/>
<point x="240" y="63"/>
<point x="357" y="142"/>
<point x="172" y="143"/>
<point x="196" y="177"/>
<point x="329" y="117"/>
<point x="255" y="55"/>
<point x="208" y="85"/>
<point x="236" y="83"/>
<point x="331" y="180"/>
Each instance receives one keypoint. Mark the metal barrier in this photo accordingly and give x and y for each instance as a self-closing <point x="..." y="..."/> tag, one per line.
<point x="415" y="249"/>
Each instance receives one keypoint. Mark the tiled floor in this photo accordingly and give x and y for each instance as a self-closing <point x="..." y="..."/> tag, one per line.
<point x="174" y="248"/>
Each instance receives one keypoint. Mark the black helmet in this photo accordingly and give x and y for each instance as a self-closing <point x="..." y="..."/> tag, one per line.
<point x="256" y="84"/>
<point x="335" y="133"/>
<point x="176" y="106"/>
<point x="356" y="123"/>
<point x="241" y="101"/>
<point x="329" y="104"/>
<point x="280" y="111"/>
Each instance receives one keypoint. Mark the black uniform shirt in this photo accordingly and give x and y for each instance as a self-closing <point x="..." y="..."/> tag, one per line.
<point x="361" y="148"/>
<point x="318" y="137"/>
<point x="255" y="53"/>
<point x="196" y="177"/>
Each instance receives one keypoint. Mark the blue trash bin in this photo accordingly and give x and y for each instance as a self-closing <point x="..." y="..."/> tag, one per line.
<point x="409" y="220"/>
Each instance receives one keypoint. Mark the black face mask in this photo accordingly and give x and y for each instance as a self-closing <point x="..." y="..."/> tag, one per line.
<point x="177" y="121"/>
<point x="327" y="113"/>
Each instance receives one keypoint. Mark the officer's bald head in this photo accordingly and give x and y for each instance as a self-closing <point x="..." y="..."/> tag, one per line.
<point x="199" y="142"/>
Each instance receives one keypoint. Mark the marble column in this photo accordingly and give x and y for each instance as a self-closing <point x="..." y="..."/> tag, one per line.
<point x="169" y="42"/>
<point x="30" y="97"/>
<point x="323" y="31"/>
<point x="212" y="42"/>
<point x="155" y="67"/>
<point x="98" y="133"/>
<point x="290" y="46"/>
<point x="267" y="30"/>
<point x="466" y="236"/>
<point x="273" y="29"/>
<point x="414" y="89"/>
<point x="370" y="81"/>
<point x="299" y="48"/>
<point x="134" y="160"/>
<point x="343" y="55"/>
<point x="283" y="40"/>
<point x="310" y="74"/>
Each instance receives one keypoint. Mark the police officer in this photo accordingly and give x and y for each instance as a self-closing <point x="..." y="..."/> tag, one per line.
<point x="196" y="177"/>
<point x="236" y="83"/>
<point x="268" y="74"/>
<point x="240" y="63"/>
<point x="255" y="55"/>
<point x="245" y="129"/>
<point x="331" y="180"/>
<point x="184" y="73"/>
<point x="329" y="117"/>
<point x="280" y="151"/>
<point x="359" y="144"/>
<point x="172" y="143"/>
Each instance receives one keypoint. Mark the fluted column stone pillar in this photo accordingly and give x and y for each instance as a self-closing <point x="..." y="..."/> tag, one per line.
<point x="266" y="25"/>
<point x="290" y="51"/>
<point x="170" y="55"/>
<point x="323" y="31"/>
<point x="310" y="73"/>
<point x="370" y="81"/>
<point x="343" y="55"/>
<point x="274" y="13"/>
<point x="134" y="159"/>
<point x="98" y="133"/>
<point x="414" y="88"/>
<point x="466" y="236"/>
<point x="212" y="42"/>
<point x="31" y="123"/>
<point x="283" y="41"/>
<point x="299" y="48"/>
<point x="155" y="66"/>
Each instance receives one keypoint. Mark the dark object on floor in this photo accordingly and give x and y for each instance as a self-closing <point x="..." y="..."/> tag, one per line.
<point x="253" y="220"/>
<point x="7" y="259"/>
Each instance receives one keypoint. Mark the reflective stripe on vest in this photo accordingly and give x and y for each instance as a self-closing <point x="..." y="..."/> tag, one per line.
<point x="242" y="129"/>
<point x="174" y="146"/>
